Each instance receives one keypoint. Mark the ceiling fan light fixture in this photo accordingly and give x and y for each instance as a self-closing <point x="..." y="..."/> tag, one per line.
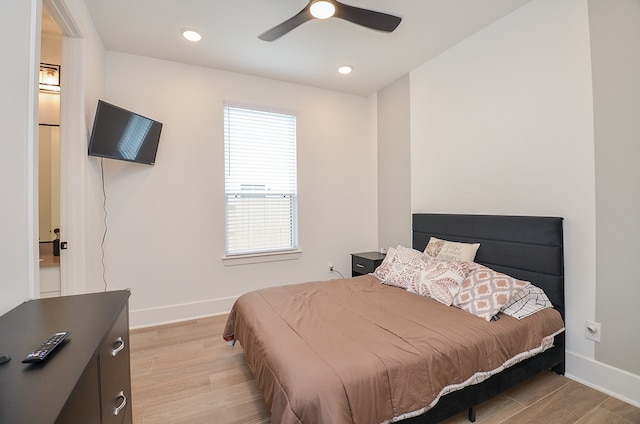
<point x="322" y="9"/>
<point x="191" y="35"/>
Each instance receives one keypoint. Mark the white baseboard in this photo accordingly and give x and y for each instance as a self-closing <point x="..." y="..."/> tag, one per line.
<point x="182" y="312"/>
<point x="610" y="380"/>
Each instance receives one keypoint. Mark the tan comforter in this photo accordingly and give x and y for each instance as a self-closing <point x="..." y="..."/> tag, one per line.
<point x="356" y="351"/>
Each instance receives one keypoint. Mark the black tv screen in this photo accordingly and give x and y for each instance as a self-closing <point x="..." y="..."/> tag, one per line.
<point x="124" y="135"/>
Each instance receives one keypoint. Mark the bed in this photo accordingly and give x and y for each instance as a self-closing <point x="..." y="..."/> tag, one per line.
<point x="357" y="351"/>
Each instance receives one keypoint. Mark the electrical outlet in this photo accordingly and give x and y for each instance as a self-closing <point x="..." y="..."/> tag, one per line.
<point x="592" y="331"/>
<point x="330" y="267"/>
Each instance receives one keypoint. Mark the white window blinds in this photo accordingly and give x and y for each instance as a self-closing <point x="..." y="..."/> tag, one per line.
<point x="260" y="181"/>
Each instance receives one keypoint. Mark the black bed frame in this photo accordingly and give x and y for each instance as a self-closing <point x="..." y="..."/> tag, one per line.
<point x="526" y="247"/>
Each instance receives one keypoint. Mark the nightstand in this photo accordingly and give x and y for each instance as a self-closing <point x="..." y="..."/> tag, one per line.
<point x="365" y="262"/>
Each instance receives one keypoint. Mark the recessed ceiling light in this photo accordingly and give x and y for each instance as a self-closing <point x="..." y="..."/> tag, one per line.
<point x="346" y="69"/>
<point x="191" y="35"/>
<point x="322" y="9"/>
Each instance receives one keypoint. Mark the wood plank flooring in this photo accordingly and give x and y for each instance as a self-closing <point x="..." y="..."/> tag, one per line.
<point x="185" y="373"/>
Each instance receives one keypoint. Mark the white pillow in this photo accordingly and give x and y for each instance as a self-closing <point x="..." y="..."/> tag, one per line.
<point x="445" y="250"/>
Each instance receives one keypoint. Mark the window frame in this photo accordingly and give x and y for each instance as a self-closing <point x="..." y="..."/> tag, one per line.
<point x="263" y="254"/>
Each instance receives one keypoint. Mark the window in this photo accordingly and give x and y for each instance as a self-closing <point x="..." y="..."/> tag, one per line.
<point x="260" y="181"/>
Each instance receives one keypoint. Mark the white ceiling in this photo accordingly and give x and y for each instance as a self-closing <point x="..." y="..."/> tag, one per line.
<point x="311" y="53"/>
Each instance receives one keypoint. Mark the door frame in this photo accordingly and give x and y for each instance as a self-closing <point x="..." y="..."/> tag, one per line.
<point x="72" y="151"/>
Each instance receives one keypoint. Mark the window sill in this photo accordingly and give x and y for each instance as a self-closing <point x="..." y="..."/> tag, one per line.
<point x="258" y="258"/>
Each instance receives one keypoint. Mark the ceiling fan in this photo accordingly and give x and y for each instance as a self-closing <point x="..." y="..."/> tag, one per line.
<point x="324" y="9"/>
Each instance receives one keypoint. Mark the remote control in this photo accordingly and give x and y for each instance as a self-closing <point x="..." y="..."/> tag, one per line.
<point x="46" y="347"/>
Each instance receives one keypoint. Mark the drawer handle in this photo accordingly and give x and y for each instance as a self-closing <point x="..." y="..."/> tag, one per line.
<point x="122" y="404"/>
<point x="120" y="344"/>
<point x="360" y="265"/>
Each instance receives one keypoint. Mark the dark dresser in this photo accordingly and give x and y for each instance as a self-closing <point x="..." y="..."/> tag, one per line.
<point x="87" y="379"/>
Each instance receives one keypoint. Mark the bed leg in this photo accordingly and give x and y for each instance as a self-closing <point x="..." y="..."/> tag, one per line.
<point x="472" y="414"/>
<point x="559" y="369"/>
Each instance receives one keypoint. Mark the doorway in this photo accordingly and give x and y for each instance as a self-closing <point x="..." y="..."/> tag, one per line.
<point x="73" y="134"/>
<point x="49" y="162"/>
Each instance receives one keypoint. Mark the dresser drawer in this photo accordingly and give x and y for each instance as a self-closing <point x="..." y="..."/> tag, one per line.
<point x="115" y="372"/>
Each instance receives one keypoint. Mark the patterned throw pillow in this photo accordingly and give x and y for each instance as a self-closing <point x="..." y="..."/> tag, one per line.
<point x="407" y="255"/>
<point x="403" y="275"/>
<point x="450" y="250"/>
<point x="484" y="292"/>
<point x="527" y="302"/>
<point x="382" y="271"/>
<point x="440" y="280"/>
<point x="402" y="268"/>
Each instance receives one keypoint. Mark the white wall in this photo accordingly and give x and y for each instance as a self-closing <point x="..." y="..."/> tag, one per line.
<point x="165" y="234"/>
<point x="394" y="164"/>
<point x="19" y="44"/>
<point x="503" y="123"/>
<point x="615" y="46"/>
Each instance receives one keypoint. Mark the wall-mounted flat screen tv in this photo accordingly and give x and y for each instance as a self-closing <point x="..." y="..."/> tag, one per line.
<point x="124" y="135"/>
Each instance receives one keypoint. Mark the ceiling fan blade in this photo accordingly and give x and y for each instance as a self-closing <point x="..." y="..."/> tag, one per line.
<point x="279" y="30"/>
<point x="367" y="18"/>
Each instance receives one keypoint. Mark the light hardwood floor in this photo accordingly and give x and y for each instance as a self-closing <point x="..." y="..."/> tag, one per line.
<point x="186" y="373"/>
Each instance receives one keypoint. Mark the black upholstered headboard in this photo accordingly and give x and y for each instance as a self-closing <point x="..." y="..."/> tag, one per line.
<point x="526" y="247"/>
